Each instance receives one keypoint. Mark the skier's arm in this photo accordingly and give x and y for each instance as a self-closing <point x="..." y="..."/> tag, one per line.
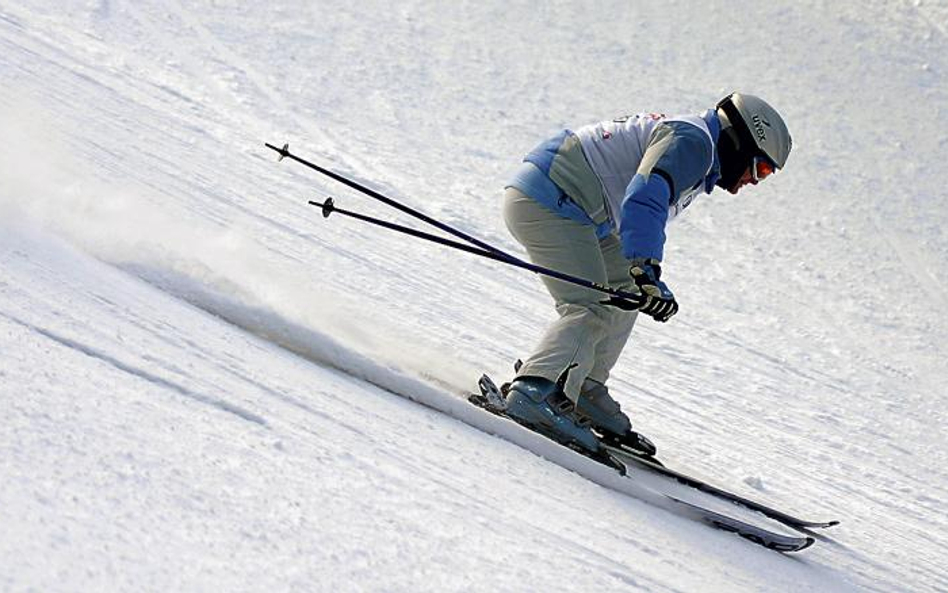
<point x="676" y="159"/>
<point x="644" y="214"/>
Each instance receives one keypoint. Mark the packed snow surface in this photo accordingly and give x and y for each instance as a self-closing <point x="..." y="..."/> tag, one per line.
<point x="204" y="385"/>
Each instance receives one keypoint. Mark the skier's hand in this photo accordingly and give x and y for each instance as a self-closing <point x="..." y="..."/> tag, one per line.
<point x="621" y="303"/>
<point x="660" y="303"/>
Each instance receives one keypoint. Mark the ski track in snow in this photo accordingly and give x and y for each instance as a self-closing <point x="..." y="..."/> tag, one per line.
<point x="143" y="374"/>
<point x="210" y="404"/>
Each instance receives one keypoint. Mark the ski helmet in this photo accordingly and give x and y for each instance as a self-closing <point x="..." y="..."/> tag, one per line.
<point x="750" y="128"/>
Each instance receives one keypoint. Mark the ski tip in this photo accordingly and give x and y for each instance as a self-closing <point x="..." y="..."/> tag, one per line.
<point x="798" y="545"/>
<point x="809" y="541"/>
<point x="812" y="524"/>
<point x="787" y="545"/>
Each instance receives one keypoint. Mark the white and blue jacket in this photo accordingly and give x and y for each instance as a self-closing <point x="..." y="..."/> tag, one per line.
<point x="630" y="175"/>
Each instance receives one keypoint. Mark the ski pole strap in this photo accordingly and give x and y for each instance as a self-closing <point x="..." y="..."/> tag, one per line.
<point x="285" y="153"/>
<point x="619" y="298"/>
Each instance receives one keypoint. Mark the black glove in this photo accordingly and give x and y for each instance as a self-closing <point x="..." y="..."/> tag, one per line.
<point x="660" y="303"/>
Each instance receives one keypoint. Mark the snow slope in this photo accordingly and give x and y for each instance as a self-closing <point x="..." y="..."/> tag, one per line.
<point x="174" y="318"/>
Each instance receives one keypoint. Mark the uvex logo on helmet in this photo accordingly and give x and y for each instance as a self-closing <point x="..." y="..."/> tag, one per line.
<point x="759" y="124"/>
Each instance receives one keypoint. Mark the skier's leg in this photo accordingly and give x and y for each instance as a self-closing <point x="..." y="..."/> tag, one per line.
<point x="595" y="401"/>
<point x="571" y="247"/>
<point x="621" y="322"/>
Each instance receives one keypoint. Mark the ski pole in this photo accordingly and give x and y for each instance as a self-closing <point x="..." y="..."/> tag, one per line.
<point x="285" y="153"/>
<point x="622" y="299"/>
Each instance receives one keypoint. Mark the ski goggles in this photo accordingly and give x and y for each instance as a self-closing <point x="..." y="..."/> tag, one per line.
<point x="762" y="168"/>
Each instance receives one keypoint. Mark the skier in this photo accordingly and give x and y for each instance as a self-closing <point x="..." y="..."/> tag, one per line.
<point x="594" y="203"/>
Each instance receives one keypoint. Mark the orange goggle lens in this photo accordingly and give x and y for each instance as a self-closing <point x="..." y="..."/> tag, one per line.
<point x="761" y="168"/>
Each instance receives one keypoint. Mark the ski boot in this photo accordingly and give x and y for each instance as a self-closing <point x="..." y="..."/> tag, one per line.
<point x="541" y="405"/>
<point x="607" y="418"/>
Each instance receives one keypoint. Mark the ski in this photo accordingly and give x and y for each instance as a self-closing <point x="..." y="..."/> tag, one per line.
<point x="491" y="400"/>
<point x="702" y="486"/>
<point x="758" y="535"/>
<point x="652" y="464"/>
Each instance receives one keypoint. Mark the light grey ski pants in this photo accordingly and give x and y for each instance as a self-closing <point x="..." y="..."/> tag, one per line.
<point x="587" y="333"/>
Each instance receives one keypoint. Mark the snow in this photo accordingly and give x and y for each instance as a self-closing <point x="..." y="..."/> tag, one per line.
<point x="206" y="385"/>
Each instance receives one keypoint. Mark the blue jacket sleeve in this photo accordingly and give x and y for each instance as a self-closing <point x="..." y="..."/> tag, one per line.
<point x="677" y="158"/>
<point x="644" y="214"/>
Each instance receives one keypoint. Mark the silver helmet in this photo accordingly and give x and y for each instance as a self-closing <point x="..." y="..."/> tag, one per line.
<point x="759" y="128"/>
